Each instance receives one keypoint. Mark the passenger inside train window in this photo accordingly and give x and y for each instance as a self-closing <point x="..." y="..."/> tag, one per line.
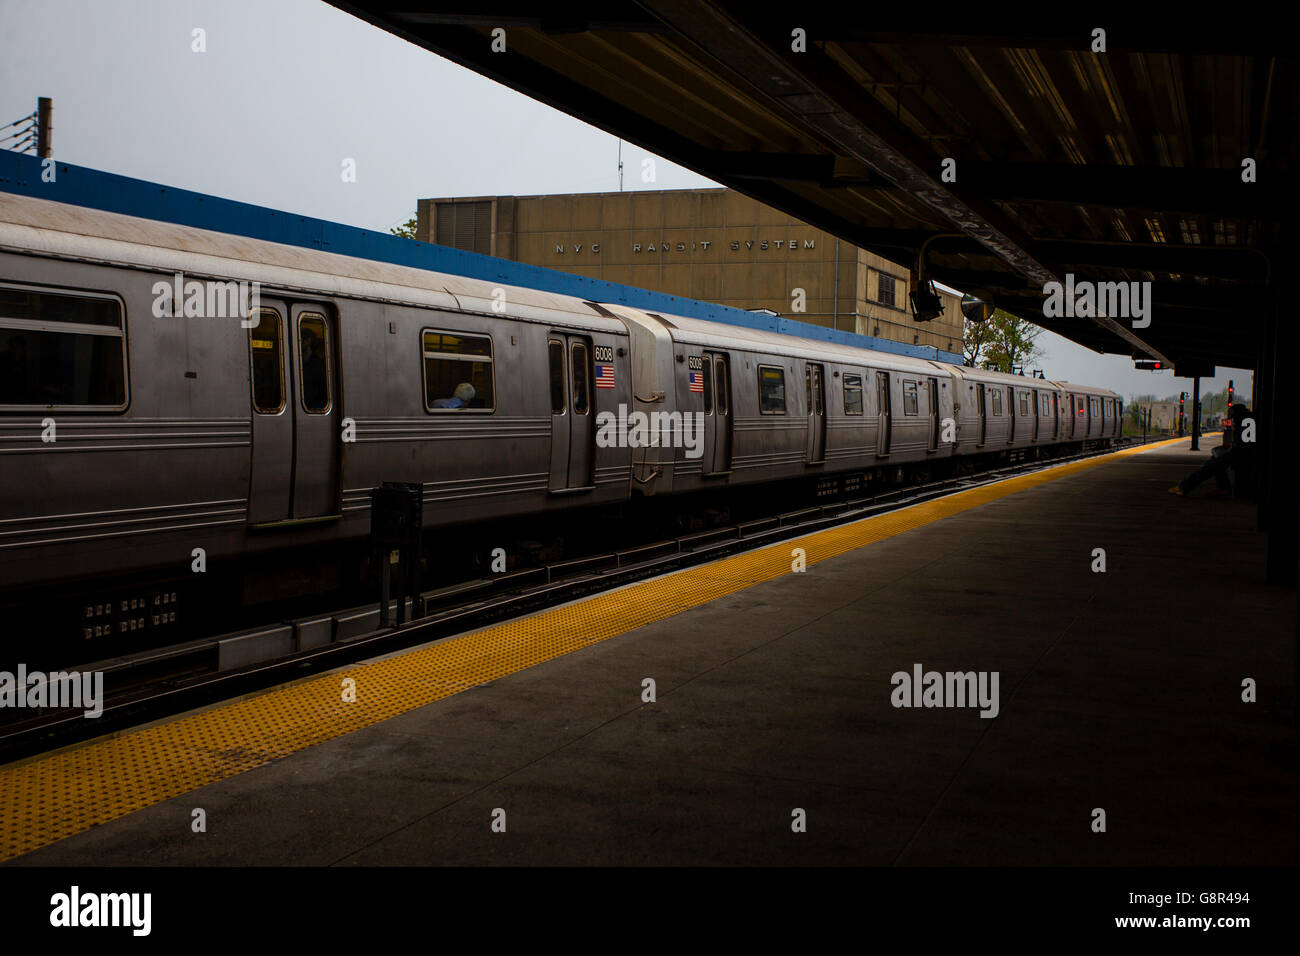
<point x="461" y="398"/>
<point x="458" y="371"/>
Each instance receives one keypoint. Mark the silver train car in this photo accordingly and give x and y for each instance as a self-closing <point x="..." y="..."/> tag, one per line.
<point x="150" y="429"/>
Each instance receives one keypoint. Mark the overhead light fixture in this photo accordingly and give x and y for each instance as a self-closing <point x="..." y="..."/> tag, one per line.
<point x="926" y="304"/>
<point x="977" y="306"/>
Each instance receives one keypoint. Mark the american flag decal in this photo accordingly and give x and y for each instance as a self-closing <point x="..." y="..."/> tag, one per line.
<point x="604" y="375"/>
<point x="697" y="382"/>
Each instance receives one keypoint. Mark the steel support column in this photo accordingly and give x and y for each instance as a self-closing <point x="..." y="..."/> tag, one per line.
<point x="1261" y="394"/>
<point x="1279" y="455"/>
<point x="1196" y="414"/>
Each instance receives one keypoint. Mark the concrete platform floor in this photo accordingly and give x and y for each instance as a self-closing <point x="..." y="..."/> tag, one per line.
<point x="1119" y="690"/>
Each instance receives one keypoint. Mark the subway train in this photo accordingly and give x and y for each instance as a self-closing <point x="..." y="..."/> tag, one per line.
<point x="191" y="420"/>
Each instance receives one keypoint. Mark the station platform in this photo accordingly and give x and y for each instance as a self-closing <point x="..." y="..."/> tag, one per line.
<point x="1119" y="690"/>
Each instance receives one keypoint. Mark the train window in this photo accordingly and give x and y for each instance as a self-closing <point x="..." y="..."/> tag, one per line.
<point x="909" y="398"/>
<point x="1045" y="404"/>
<point x="581" y="379"/>
<point x="720" y="384"/>
<point x="1080" y="404"/>
<point x="555" y="352"/>
<point x="457" y="371"/>
<point x="771" y="390"/>
<point x="314" y="362"/>
<point x="852" y="394"/>
<point x="264" y="344"/>
<point x="59" y="349"/>
<point x="997" y="400"/>
<point x="1024" y="404"/>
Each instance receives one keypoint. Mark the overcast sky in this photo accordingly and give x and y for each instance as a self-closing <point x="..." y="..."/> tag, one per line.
<point x="289" y="88"/>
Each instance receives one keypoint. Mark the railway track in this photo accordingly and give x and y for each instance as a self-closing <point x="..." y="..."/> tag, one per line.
<point x="153" y="684"/>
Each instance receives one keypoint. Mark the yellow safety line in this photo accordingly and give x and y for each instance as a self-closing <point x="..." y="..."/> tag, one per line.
<point x="47" y="798"/>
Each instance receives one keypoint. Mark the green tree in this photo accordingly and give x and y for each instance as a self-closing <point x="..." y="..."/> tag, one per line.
<point x="1001" y="343"/>
<point x="406" y="229"/>
<point x="976" y="339"/>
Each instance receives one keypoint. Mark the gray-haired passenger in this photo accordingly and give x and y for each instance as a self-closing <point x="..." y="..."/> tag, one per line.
<point x="461" y="398"/>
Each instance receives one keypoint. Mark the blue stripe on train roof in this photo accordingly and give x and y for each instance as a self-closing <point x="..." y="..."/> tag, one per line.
<point x="81" y="186"/>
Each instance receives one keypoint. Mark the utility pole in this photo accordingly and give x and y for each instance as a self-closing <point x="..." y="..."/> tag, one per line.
<point x="44" y="129"/>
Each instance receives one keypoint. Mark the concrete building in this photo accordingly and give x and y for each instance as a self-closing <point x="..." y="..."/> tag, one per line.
<point x="1164" y="415"/>
<point x="710" y="244"/>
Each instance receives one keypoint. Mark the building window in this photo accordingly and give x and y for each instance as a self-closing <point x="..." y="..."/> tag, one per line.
<point x="457" y="371"/>
<point x="771" y="390"/>
<point x="464" y="225"/>
<point x="852" y="394"/>
<point x="909" y="398"/>
<point x="885" y="290"/>
<point x="61" y="350"/>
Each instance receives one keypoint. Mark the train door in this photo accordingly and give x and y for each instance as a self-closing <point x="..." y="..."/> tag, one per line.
<point x="1056" y="415"/>
<point x="572" y="431"/>
<point x="981" y="404"/>
<point x="933" y="394"/>
<point x="883" y="415"/>
<point x="1010" y="415"/>
<point x="815" y="389"/>
<point x="1037" y="404"/>
<point x="717" y="414"/>
<point x="294" y="381"/>
<point x="316" y="419"/>
<point x="1068" y="415"/>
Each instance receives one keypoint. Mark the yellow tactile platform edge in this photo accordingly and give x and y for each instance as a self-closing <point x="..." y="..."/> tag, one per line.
<point x="53" y="796"/>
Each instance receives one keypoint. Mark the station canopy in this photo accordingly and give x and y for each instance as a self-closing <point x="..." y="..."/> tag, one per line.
<point x="1164" y="158"/>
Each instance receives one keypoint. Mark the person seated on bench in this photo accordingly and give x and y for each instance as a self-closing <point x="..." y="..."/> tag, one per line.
<point x="1233" y="453"/>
